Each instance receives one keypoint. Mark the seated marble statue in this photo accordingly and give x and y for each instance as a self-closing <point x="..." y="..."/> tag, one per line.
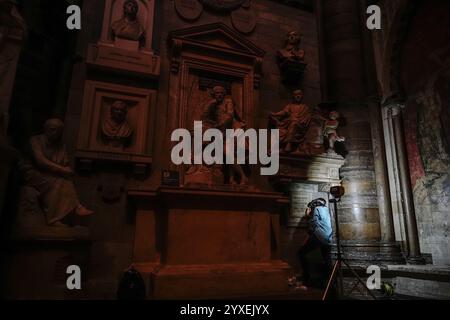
<point x="48" y="172"/>
<point x="128" y="27"/>
<point x="293" y="122"/>
<point x="292" y="51"/>
<point x="116" y="130"/>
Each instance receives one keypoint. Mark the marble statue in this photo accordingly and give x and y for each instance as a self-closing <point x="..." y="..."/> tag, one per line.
<point x="48" y="172"/>
<point x="292" y="51"/>
<point x="220" y="113"/>
<point x="129" y="27"/>
<point x="293" y="122"/>
<point x="116" y="130"/>
<point x="330" y="133"/>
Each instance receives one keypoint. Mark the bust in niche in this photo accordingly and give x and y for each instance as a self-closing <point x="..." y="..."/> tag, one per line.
<point x="129" y="26"/>
<point x="292" y="52"/>
<point x="116" y="131"/>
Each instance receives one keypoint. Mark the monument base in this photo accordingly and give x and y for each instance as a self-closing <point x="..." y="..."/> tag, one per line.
<point x="218" y="281"/>
<point x="206" y="243"/>
<point x="111" y="58"/>
<point x="370" y="252"/>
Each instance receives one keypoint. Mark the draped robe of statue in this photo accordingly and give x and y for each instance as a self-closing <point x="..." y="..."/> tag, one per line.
<point x="293" y="122"/>
<point x="130" y="30"/>
<point x="221" y="116"/>
<point x="57" y="193"/>
<point x="116" y="134"/>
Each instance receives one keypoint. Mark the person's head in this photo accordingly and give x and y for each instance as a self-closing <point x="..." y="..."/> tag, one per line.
<point x="53" y="130"/>
<point x="334" y="115"/>
<point x="119" y="111"/>
<point x="297" y="96"/>
<point x="219" y="93"/>
<point x="319" y="202"/>
<point x="130" y="9"/>
<point x="293" y="37"/>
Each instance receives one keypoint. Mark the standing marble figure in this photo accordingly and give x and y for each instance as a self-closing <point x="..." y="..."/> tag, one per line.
<point x="50" y="174"/>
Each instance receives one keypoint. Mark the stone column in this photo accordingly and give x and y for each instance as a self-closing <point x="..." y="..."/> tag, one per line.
<point x="348" y="86"/>
<point x="414" y="256"/>
<point x="342" y="47"/>
<point x="389" y="249"/>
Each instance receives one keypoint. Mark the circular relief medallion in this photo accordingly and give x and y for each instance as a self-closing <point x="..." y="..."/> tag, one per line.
<point x="243" y="20"/>
<point x="189" y="9"/>
<point x="223" y="5"/>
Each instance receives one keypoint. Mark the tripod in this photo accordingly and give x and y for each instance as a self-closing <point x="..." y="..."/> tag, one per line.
<point x="337" y="268"/>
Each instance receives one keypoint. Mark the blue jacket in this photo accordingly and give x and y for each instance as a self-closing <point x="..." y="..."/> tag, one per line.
<point x="320" y="224"/>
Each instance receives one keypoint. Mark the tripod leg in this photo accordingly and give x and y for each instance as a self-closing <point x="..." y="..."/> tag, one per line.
<point x="330" y="280"/>
<point x="360" y="280"/>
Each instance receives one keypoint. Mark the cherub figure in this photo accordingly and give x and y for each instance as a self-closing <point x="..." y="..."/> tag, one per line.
<point x="330" y="127"/>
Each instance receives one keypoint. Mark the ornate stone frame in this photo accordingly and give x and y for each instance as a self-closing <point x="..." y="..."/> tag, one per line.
<point x="217" y="49"/>
<point x="109" y="7"/>
<point x="89" y="151"/>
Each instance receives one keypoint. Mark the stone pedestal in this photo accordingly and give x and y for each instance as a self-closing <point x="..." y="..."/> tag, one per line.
<point x="121" y="60"/>
<point x="305" y="178"/>
<point x="193" y="243"/>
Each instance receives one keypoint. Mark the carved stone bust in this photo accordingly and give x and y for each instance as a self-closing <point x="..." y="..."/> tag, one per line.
<point x="128" y="27"/>
<point x="116" y="130"/>
<point x="292" y="50"/>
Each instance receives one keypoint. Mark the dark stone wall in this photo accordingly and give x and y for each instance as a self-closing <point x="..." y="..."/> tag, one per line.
<point x="348" y="90"/>
<point x="425" y="79"/>
<point x="109" y="251"/>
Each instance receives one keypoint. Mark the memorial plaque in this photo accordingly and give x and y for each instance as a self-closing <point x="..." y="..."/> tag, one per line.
<point x="170" y="178"/>
<point x="243" y="20"/>
<point x="189" y="9"/>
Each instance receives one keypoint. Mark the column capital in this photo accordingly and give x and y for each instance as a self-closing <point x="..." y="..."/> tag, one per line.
<point x="393" y="100"/>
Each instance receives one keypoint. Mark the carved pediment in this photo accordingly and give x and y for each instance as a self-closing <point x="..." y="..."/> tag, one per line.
<point x="215" y="36"/>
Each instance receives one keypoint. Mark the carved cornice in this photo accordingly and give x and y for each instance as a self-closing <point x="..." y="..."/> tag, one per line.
<point x="226" y="40"/>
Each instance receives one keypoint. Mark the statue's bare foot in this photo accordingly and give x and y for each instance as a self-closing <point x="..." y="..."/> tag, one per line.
<point x="83" y="212"/>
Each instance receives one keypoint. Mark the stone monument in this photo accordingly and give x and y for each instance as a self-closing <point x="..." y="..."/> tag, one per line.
<point x="293" y="122"/>
<point x="219" y="240"/>
<point x="126" y="43"/>
<point x="48" y="173"/>
<point x="220" y="113"/>
<point x="291" y="59"/>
